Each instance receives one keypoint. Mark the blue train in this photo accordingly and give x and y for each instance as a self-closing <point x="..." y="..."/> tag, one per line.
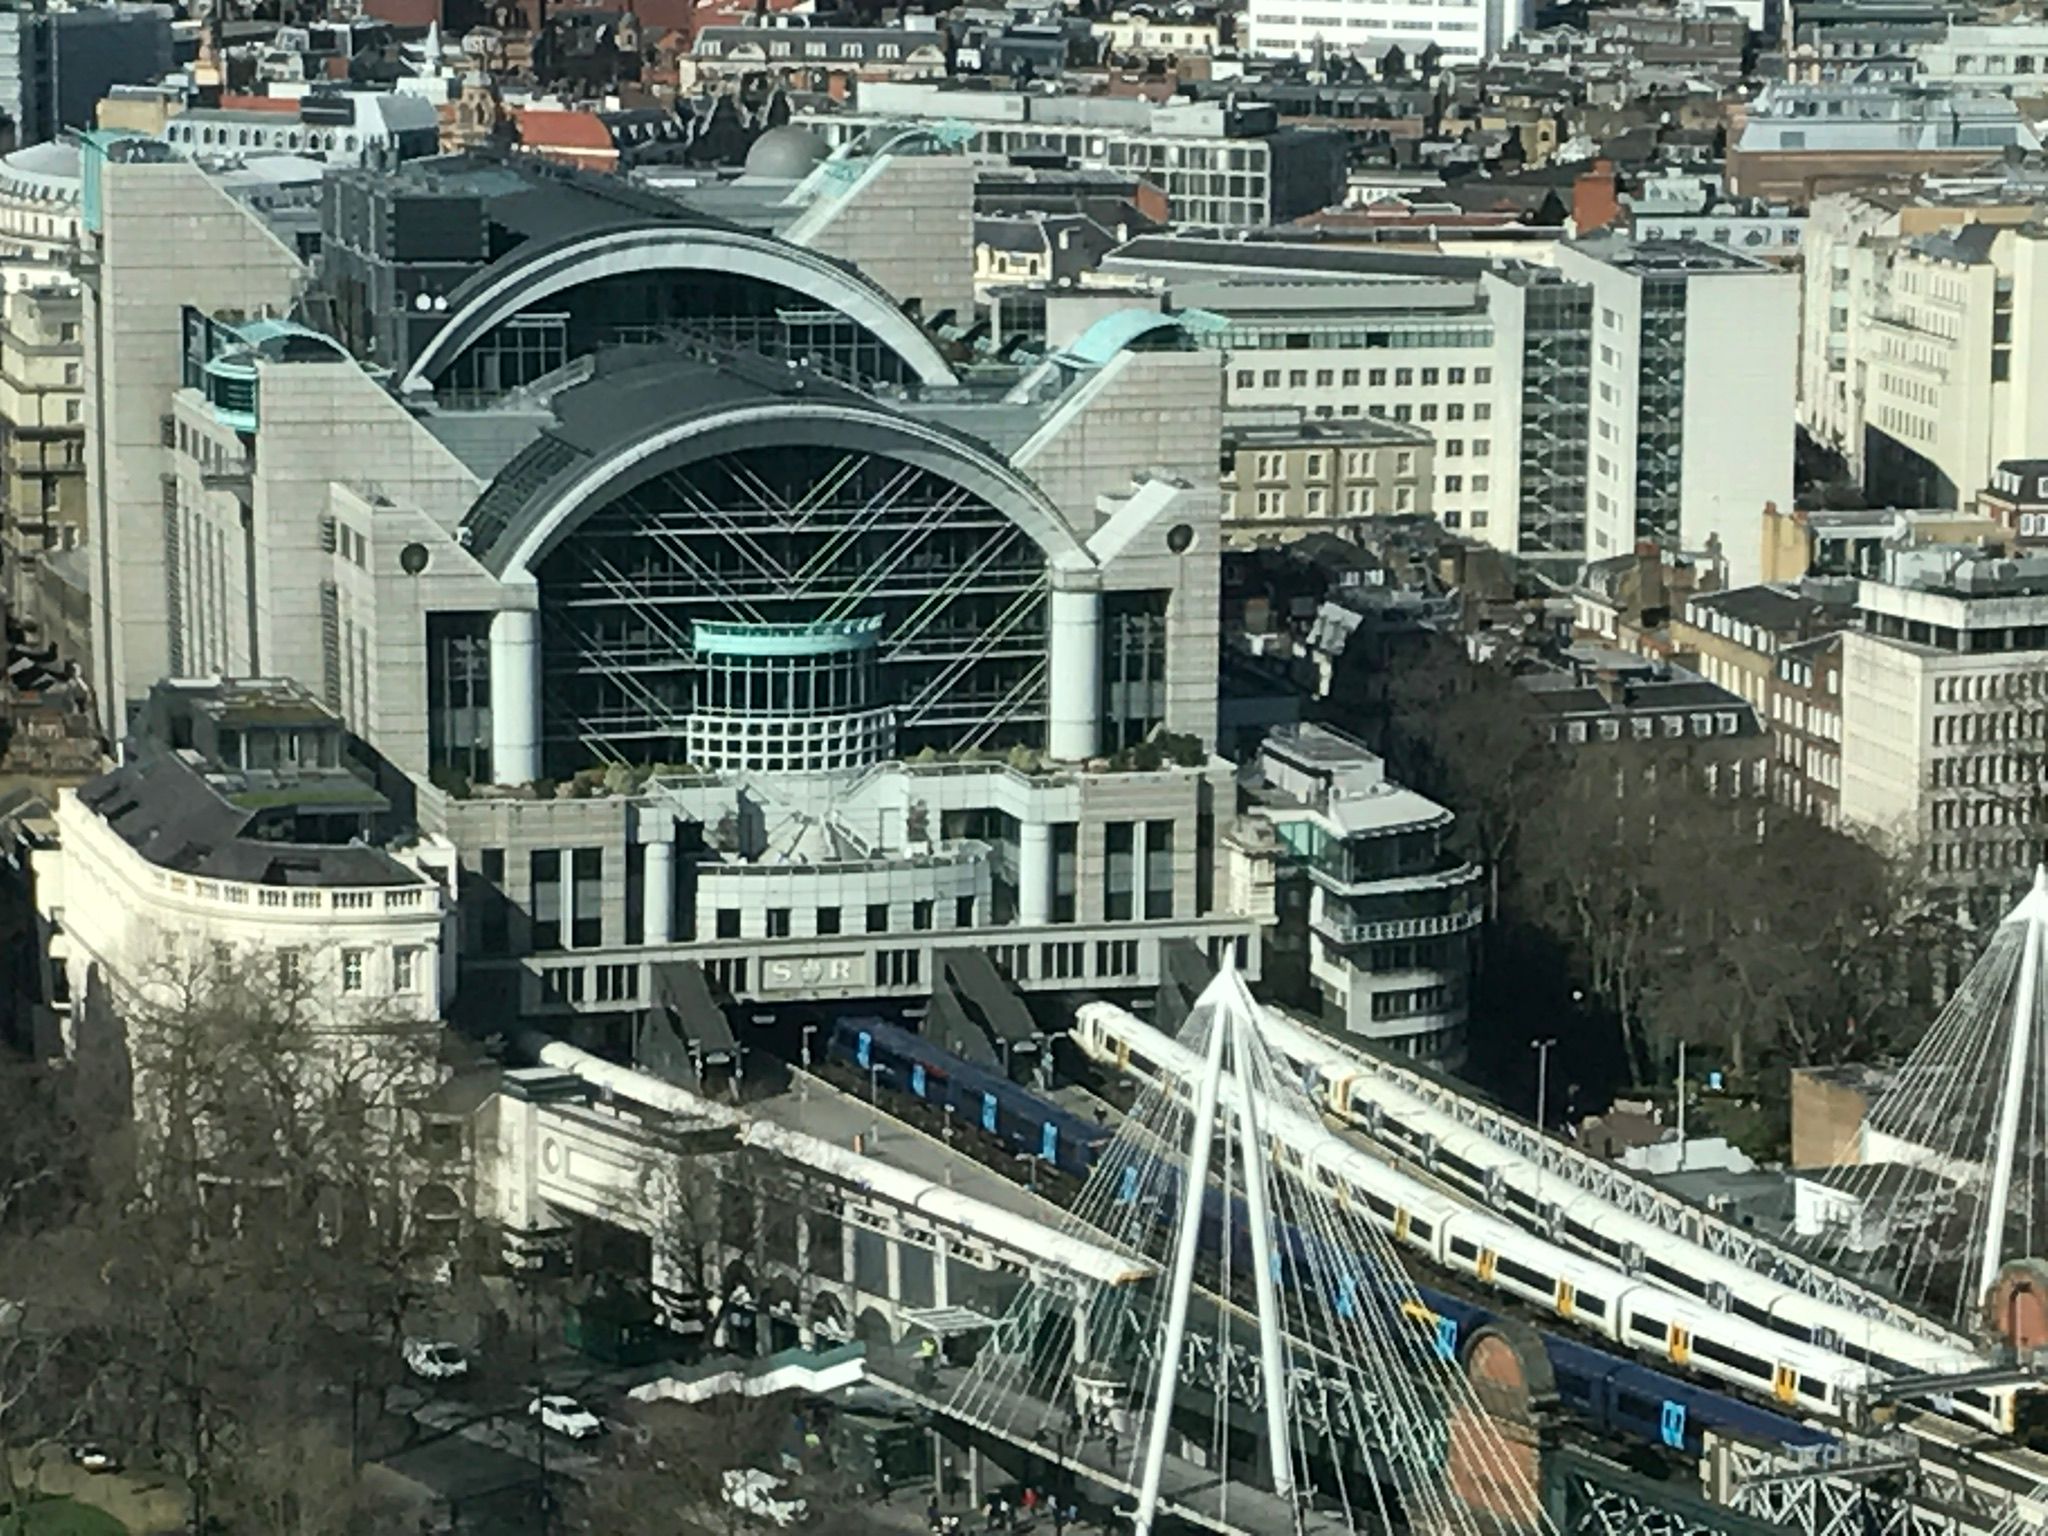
<point x="1616" y="1395"/>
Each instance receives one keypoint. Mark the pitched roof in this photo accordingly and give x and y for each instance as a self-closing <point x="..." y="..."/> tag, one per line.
<point x="564" y="130"/>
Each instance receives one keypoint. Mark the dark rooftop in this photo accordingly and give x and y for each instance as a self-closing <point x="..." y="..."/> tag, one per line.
<point x="163" y="808"/>
<point x="1780" y="610"/>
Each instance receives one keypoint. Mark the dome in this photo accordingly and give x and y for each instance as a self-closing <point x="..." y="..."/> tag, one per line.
<point x="785" y="154"/>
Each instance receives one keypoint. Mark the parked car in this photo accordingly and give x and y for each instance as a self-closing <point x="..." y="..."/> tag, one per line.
<point x="91" y="1456"/>
<point x="565" y="1416"/>
<point x="435" y="1359"/>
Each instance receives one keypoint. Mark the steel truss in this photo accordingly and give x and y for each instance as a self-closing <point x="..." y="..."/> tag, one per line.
<point x="799" y="535"/>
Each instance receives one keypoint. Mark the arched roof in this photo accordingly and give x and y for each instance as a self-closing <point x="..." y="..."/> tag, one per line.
<point x="538" y="272"/>
<point x="1102" y="341"/>
<point x="558" y="484"/>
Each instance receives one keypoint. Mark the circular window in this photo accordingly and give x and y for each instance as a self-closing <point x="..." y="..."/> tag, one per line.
<point x="1180" y="538"/>
<point x="413" y="559"/>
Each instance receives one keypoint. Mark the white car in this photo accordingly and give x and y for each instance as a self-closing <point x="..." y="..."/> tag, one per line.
<point x="565" y="1416"/>
<point x="752" y="1491"/>
<point x="435" y="1359"/>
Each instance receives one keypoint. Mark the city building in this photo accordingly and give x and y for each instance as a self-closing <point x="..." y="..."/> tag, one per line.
<point x="1693" y="375"/>
<point x="1736" y="636"/>
<point x="1467" y="31"/>
<point x="1946" y="363"/>
<point x="2009" y="56"/>
<point x="1805" y="720"/>
<point x="1285" y="477"/>
<point x="337" y="127"/>
<point x="1337" y="334"/>
<point x="1603" y="701"/>
<point x="711" y="648"/>
<point x="2017" y="500"/>
<point x="39" y="187"/>
<point x="1393" y="914"/>
<point x="1798" y="140"/>
<point x="42" y="436"/>
<point x="1226" y="162"/>
<point x="56" y="64"/>
<point x="1944" y="676"/>
<point x="237" y="842"/>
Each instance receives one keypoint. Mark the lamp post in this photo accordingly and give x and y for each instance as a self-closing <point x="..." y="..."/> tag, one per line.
<point x="1542" y="1050"/>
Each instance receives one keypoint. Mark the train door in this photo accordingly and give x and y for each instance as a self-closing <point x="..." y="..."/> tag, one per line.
<point x="1488" y="1262"/>
<point x="1785" y="1384"/>
<point x="1567" y="1298"/>
<point x="1123" y="1055"/>
<point x="1679" y="1345"/>
<point x="1401" y="1225"/>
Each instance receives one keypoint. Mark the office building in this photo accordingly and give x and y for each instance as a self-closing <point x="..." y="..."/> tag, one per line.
<point x="1799" y="140"/>
<point x="1224" y="162"/>
<point x="1467" y="31"/>
<point x="1693" y="373"/>
<point x="729" y="665"/>
<point x="56" y="64"/>
<point x="1944" y="684"/>
<point x="1393" y="914"/>
<point x="1285" y="477"/>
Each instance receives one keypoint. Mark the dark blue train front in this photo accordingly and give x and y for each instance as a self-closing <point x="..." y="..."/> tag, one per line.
<point x="903" y="1062"/>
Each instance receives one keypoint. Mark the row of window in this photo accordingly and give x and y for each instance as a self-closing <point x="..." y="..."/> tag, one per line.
<point x="1643" y="727"/>
<point x="779" y="922"/>
<point x="1375" y="378"/>
<point x="403" y="973"/>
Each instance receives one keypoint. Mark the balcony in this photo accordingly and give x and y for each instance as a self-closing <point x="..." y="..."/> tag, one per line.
<point x="1394" y="929"/>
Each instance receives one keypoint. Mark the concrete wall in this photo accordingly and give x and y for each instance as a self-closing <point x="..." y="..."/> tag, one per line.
<point x="1741" y="370"/>
<point x="168" y="237"/>
<point x="910" y="227"/>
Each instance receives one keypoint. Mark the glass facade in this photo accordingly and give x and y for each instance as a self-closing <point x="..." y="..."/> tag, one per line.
<point x="1133" y="666"/>
<point x="1557" y="361"/>
<point x="1660" y="417"/>
<point x="459" y="695"/>
<point x="723" y="307"/>
<point x="953" y="589"/>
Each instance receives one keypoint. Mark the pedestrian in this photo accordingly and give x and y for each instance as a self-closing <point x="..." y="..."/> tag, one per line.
<point x="993" y="1509"/>
<point x="1109" y="1438"/>
<point x="931" y="1515"/>
<point x="1028" y="1502"/>
<point x="1073" y="1513"/>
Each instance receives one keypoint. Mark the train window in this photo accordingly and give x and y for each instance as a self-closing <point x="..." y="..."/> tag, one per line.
<point x="1457" y="1165"/>
<point x="1733" y="1359"/>
<point x="1678" y="1277"/>
<point x="1419" y="1229"/>
<point x="1591" y="1306"/>
<point x="1645" y="1326"/>
<point x="1379" y="1206"/>
<point x="1981" y="1401"/>
<point x="1521" y="1202"/>
<point x="1464" y="1248"/>
<point x="1753" y="1313"/>
<point x="1522" y="1274"/>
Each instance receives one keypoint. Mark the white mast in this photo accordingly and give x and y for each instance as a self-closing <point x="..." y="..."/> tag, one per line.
<point x="2033" y="911"/>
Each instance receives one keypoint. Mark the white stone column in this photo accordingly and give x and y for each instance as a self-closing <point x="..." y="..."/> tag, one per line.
<point x="515" y="696"/>
<point x="1074" y="667"/>
<point x="1034" y="874"/>
<point x="658" y="894"/>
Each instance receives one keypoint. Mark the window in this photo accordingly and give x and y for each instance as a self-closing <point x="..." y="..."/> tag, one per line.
<point x="963" y="911"/>
<point x="352" y="970"/>
<point x="1404" y="378"/>
<point x="1429" y="376"/>
<point x="1325" y="378"/>
<point x="1272" y="466"/>
<point x="1428" y="413"/>
<point x="291" y="968"/>
<point x="921" y="913"/>
<point x="1297" y="378"/>
<point x="728" y="922"/>
<point x="1404" y="462"/>
<point x="1272" y="503"/>
<point x="1453" y="484"/>
<point x="1454" y="375"/>
<point x="1351" y="378"/>
<point x="878" y="917"/>
<point x="587" y="866"/>
<point x="544" y="869"/>
<point x="778" y="922"/>
<point x="618" y="983"/>
<point x="1245" y="378"/>
<point x="1454" y="413"/>
<point x="1377" y="378"/>
<point x="1454" y="448"/>
<point x="1316" y="466"/>
<point x="405" y="968"/>
<point x="1482" y="375"/>
<point x="1481" y="447"/>
<point x="828" y="920"/>
<point x="1270" y="379"/>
